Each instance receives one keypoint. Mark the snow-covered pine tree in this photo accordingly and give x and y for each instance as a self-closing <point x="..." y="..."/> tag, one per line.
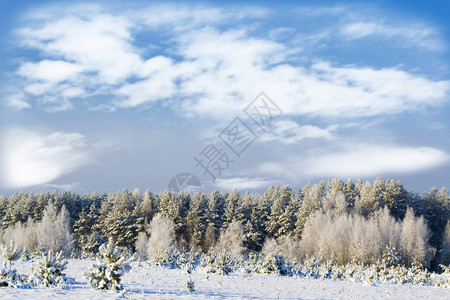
<point x="231" y="203"/>
<point x="121" y="219"/>
<point x="391" y="258"/>
<point x="210" y="237"/>
<point x="149" y="206"/>
<point x="49" y="270"/>
<point x="110" y="267"/>
<point x="258" y="218"/>
<point x="85" y="231"/>
<point x="215" y="209"/>
<point x="175" y="207"/>
<point x="311" y="201"/>
<point x="195" y="220"/>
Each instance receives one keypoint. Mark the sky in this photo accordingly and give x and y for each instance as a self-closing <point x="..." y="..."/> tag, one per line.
<point x="100" y="96"/>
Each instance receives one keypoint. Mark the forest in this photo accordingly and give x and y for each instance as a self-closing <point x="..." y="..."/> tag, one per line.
<point x="334" y="221"/>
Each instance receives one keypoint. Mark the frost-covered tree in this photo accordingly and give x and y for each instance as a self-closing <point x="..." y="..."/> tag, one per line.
<point x="54" y="232"/>
<point x="162" y="235"/>
<point x="231" y="203"/>
<point x="414" y="236"/>
<point x="445" y="248"/>
<point x="231" y="240"/>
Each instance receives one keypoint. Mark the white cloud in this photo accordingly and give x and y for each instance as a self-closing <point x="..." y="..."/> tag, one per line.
<point x="18" y="101"/>
<point x="205" y="69"/>
<point x="413" y="35"/>
<point x="30" y="158"/>
<point x="241" y="183"/>
<point x="290" y="132"/>
<point x="361" y="160"/>
<point x="52" y="71"/>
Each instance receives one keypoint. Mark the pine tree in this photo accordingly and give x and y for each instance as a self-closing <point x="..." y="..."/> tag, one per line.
<point x="195" y="220"/>
<point x="49" y="270"/>
<point x="311" y="201"/>
<point x="121" y="220"/>
<point x="110" y="267"/>
<point x="85" y="231"/>
<point x="11" y="253"/>
<point x="231" y="203"/>
<point x="149" y="206"/>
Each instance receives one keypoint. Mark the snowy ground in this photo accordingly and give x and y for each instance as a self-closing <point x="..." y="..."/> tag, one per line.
<point x="159" y="283"/>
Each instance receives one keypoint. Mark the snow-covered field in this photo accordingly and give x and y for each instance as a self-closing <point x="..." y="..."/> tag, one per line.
<point x="160" y="283"/>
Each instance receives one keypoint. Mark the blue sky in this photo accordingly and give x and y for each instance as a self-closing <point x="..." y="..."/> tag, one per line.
<point x="99" y="96"/>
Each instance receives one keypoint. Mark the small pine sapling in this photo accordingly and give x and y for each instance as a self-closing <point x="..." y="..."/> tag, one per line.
<point x="49" y="270"/>
<point x="11" y="253"/>
<point x="190" y="284"/>
<point x="111" y="265"/>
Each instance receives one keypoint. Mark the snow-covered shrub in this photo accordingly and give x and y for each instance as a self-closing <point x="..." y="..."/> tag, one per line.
<point x="110" y="266"/>
<point x="10" y="277"/>
<point x="274" y="264"/>
<point x="49" y="270"/>
<point x="206" y="262"/>
<point x="443" y="279"/>
<point x="171" y="258"/>
<point x="224" y="263"/>
<point x="391" y="257"/>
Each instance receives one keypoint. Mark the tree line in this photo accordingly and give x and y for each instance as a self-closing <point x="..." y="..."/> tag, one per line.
<point x="337" y="220"/>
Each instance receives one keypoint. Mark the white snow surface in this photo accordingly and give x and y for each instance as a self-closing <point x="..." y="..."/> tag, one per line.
<point x="144" y="282"/>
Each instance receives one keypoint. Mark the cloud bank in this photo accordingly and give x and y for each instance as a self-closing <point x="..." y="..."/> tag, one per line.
<point x="31" y="158"/>
<point x="205" y="66"/>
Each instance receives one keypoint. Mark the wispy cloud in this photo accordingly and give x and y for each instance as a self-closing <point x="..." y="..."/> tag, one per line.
<point x="291" y="132"/>
<point x="242" y="183"/>
<point x="411" y="36"/>
<point x="30" y="158"/>
<point x="359" y="160"/>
